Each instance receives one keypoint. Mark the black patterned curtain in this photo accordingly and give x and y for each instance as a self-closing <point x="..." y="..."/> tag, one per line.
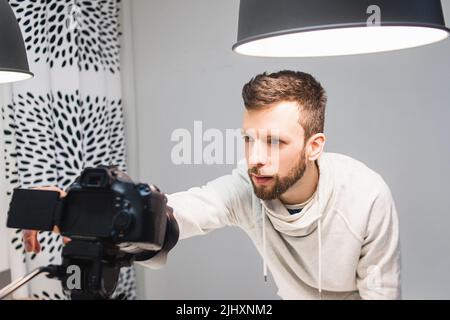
<point x="68" y="117"/>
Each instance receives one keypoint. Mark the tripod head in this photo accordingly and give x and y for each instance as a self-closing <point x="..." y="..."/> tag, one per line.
<point x="89" y="271"/>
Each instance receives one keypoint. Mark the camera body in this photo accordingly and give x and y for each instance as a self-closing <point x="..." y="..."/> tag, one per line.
<point x="104" y="203"/>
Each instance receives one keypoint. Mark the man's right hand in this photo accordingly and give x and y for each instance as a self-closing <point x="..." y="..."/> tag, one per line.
<point x="30" y="236"/>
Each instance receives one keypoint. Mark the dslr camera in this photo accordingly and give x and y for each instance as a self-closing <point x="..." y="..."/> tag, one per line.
<point x="111" y="221"/>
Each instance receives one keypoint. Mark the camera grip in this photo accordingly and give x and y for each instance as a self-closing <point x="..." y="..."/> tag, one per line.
<point x="170" y="240"/>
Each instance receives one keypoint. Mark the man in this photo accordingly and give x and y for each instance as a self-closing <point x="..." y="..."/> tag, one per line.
<point x="325" y="224"/>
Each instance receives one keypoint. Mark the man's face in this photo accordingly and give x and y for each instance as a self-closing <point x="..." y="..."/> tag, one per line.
<point x="274" y="148"/>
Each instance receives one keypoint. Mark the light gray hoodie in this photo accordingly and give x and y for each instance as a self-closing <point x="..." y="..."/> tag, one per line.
<point x="343" y="245"/>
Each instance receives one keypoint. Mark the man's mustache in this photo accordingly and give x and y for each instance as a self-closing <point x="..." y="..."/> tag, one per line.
<point x="255" y="171"/>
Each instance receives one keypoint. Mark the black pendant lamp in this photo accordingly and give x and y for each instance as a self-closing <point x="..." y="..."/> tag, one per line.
<point x="312" y="28"/>
<point x="13" y="56"/>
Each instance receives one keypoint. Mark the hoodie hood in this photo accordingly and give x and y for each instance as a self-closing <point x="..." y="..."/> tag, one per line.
<point x="306" y="223"/>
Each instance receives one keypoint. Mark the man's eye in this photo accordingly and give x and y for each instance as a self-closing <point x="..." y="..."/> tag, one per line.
<point x="248" y="139"/>
<point x="273" y="140"/>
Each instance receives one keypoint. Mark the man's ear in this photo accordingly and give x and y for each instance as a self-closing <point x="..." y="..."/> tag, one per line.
<point x="315" y="145"/>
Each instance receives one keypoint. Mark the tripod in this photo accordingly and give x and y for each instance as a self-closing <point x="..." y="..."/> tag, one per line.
<point x="15" y="285"/>
<point x="89" y="270"/>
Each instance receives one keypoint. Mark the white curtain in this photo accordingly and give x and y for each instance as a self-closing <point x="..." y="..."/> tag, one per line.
<point x="4" y="255"/>
<point x="65" y="119"/>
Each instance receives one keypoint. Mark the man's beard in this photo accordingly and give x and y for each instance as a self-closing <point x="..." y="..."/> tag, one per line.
<point x="281" y="184"/>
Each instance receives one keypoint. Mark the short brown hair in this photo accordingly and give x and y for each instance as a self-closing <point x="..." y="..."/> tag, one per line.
<point x="293" y="86"/>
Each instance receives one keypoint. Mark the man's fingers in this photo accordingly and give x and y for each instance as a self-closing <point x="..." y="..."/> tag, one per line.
<point x="30" y="237"/>
<point x="31" y="241"/>
<point x="62" y="193"/>
<point x="66" y="240"/>
<point x="28" y="246"/>
<point x="26" y="234"/>
<point x="36" y="244"/>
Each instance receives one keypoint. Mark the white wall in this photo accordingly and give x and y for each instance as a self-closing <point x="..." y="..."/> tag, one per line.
<point x="389" y="110"/>
<point x="128" y="90"/>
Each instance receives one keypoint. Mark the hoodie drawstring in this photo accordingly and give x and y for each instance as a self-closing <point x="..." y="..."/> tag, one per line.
<point x="264" y="244"/>
<point x="319" y="234"/>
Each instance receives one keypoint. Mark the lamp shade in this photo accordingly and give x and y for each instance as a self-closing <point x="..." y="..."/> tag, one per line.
<point x="308" y="28"/>
<point x="13" y="56"/>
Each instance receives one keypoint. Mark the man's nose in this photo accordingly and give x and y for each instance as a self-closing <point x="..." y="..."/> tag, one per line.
<point x="257" y="155"/>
